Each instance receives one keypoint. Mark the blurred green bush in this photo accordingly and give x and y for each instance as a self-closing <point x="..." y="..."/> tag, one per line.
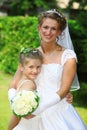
<point x="78" y="31"/>
<point x="80" y="95"/>
<point x="15" y="33"/>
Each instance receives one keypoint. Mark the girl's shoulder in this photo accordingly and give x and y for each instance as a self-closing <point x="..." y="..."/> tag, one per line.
<point x="26" y="85"/>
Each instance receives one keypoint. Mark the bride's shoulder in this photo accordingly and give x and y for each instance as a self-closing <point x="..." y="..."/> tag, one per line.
<point x="68" y="54"/>
<point x="69" y="51"/>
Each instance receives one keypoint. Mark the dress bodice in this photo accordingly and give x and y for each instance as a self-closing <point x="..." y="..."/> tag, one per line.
<point x="49" y="80"/>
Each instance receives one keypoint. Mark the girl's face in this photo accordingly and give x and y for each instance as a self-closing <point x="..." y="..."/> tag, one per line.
<point x="49" y="30"/>
<point x="31" y="69"/>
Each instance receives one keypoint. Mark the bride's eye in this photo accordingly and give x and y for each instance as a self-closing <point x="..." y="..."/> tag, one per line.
<point x="45" y="27"/>
<point x="53" y="28"/>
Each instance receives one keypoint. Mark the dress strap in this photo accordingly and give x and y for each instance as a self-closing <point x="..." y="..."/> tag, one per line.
<point x="21" y="82"/>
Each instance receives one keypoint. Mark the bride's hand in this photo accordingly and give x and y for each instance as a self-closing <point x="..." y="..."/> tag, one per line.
<point x="69" y="98"/>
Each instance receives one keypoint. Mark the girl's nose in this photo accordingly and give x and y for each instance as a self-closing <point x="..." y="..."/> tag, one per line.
<point x="35" y="70"/>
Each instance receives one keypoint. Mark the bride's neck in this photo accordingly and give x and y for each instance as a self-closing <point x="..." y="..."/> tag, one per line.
<point x="46" y="48"/>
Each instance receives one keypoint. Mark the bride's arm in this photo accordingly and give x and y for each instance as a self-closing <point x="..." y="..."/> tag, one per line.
<point x="67" y="77"/>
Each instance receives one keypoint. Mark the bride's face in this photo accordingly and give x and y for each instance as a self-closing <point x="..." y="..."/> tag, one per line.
<point x="49" y="30"/>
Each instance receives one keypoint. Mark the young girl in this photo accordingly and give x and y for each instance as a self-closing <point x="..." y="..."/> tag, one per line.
<point x="30" y="64"/>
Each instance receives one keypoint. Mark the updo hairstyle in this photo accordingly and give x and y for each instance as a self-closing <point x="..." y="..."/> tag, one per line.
<point x="27" y="53"/>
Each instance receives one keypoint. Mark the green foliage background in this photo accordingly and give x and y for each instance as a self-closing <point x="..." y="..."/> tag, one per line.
<point x="78" y="31"/>
<point x="16" y="33"/>
<point x="29" y="7"/>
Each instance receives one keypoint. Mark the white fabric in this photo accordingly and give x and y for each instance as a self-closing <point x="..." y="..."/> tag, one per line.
<point x="11" y="93"/>
<point x="67" y="54"/>
<point x="65" y="41"/>
<point x="29" y="124"/>
<point x="50" y="100"/>
<point x="58" y="116"/>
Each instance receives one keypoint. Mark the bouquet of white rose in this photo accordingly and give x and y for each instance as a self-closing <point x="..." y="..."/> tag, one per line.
<point x="25" y="103"/>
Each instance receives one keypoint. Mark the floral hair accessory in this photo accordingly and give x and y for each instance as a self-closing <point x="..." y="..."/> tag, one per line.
<point x="25" y="50"/>
<point x="28" y="50"/>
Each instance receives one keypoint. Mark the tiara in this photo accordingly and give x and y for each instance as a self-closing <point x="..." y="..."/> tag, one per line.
<point x="54" y="11"/>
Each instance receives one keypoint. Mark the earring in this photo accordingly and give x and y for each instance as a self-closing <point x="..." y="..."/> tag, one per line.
<point x="62" y="36"/>
<point x="57" y="39"/>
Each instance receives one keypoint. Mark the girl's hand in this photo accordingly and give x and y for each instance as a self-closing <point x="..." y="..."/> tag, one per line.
<point x="29" y="117"/>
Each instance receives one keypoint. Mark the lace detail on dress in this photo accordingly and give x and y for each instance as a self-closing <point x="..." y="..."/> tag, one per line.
<point x="68" y="54"/>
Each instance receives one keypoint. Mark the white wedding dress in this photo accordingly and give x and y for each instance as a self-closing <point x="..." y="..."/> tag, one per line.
<point x="53" y="115"/>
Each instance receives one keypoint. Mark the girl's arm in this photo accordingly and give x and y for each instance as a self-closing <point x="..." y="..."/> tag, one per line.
<point x="14" y="83"/>
<point x="16" y="78"/>
<point x="13" y="122"/>
<point x="11" y="92"/>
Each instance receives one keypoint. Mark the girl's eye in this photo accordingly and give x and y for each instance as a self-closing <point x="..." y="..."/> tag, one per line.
<point x="38" y="67"/>
<point x="31" y="67"/>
